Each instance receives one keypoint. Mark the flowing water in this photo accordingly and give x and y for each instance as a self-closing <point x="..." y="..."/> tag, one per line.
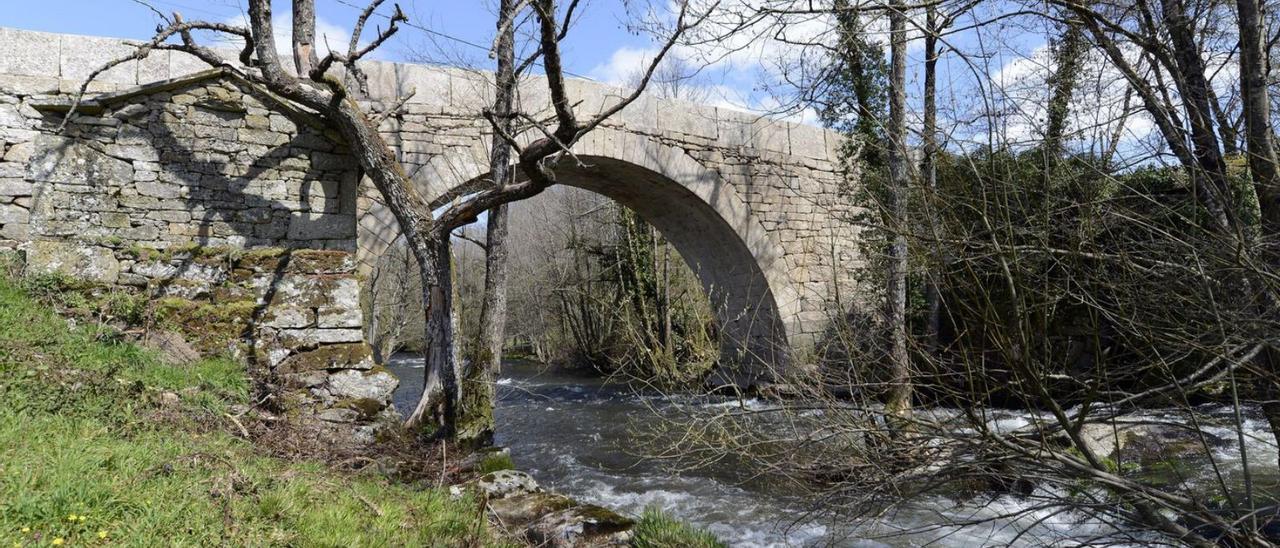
<point x="575" y="435"/>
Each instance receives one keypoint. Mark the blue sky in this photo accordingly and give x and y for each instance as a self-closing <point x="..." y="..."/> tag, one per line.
<point x="1011" y="60"/>
<point x="590" y="46"/>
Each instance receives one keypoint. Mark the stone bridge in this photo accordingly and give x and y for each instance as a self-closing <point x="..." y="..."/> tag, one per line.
<point x="170" y="153"/>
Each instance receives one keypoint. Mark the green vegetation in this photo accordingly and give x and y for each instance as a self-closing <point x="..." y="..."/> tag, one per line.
<point x="92" y="454"/>
<point x="494" y="462"/>
<point x="657" y="529"/>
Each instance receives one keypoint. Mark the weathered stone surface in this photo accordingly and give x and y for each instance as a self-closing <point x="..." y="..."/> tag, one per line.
<point x="289" y="317"/>
<point x="517" y="511"/>
<point x="321" y="226"/>
<point x="172" y="347"/>
<point x="338" y="415"/>
<point x="506" y="483"/>
<point x="585" y="525"/>
<point x="341" y="316"/>
<point x="92" y="263"/>
<point x="333" y="356"/>
<point x="64" y="160"/>
<point x="372" y="385"/>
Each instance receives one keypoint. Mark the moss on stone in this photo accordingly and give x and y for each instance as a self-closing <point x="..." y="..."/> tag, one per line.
<point x="260" y="260"/>
<point x="367" y="407"/>
<point x="211" y="327"/>
<point x="331" y="356"/>
<point x="319" y="261"/>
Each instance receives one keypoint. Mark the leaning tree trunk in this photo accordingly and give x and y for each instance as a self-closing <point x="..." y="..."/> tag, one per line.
<point x="430" y="249"/>
<point x="899" y="401"/>
<point x="476" y="421"/>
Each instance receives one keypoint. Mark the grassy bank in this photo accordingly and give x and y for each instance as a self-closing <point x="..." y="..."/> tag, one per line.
<point x="95" y="451"/>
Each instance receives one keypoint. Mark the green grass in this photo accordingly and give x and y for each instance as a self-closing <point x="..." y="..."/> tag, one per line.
<point x="82" y="434"/>
<point x="657" y="529"/>
<point x="495" y="462"/>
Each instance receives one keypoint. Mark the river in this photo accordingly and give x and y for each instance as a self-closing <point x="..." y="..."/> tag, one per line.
<point x="575" y="435"/>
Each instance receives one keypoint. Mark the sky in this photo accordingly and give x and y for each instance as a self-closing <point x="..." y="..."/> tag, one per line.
<point x="600" y="47"/>
<point x="1011" y="57"/>
<point x="587" y="52"/>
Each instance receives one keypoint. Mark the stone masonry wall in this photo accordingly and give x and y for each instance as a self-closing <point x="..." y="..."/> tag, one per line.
<point x="758" y="204"/>
<point x="205" y="163"/>
<point x="228" y="210"/>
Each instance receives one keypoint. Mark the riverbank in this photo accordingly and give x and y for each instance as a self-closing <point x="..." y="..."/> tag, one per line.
<point x="103" y="442"/>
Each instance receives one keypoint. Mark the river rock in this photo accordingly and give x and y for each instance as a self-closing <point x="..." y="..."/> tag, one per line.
<point x="519" y="511"/>
<point x="506" y="483"/>
<point x="579" y="526"/>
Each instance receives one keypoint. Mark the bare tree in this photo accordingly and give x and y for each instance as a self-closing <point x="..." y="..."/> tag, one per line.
<point x="318" y="87"/>
<point x="899" y="401"/>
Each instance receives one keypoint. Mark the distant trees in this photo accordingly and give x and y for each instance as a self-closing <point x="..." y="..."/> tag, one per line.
<point x="1049" y="257"/>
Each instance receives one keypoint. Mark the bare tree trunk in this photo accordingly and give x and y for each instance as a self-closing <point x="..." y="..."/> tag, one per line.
<point x="899" y="401"/>
<point x="476" y="422"/>
<point x="1257" y="112"/>
<point x="440" y="391"/>
<point x="932" y="294"/>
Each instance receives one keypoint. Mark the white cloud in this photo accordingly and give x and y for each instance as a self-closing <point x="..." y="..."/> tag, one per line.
<point x="1022" y="90"/>
<point x="328" y="35"/>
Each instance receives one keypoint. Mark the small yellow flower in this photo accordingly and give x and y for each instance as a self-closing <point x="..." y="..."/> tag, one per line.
<point x="57" y="541"/>
<point x="71" y="517"/>
<point x="26" y="529"/>
<point x="81" y="517"/>
<point x="102" y="534"/>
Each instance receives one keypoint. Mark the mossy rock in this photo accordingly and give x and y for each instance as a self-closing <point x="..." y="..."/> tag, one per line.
<point x="586" y="524"/>
<point x="261" y="260"/>
<point x="319" y="261"/>
<point x="212" y="328"/>
<point x="521" y="510"/>
<point x="367" y="407"/>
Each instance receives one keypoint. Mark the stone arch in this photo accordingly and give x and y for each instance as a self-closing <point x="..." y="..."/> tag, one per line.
<point x="741" y="267"/>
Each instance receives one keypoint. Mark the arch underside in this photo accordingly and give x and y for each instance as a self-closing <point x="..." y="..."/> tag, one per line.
<point x="740" y="267"/>
<point x="753" y="334"/>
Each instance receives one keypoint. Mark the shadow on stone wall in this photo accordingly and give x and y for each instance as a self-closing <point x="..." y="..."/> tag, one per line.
<point x="235" y="217"/>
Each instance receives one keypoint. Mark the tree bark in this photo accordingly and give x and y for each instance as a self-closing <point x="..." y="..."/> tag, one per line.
<point x="929" y="134"/>
<point x="1256" y="108"/>
<point x="899" y="400"/>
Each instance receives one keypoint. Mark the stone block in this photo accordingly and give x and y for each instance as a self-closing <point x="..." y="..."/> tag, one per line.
<point x="63" y="160"/>
<point x="360" y="385"/>
<point x="20" y="232"/>
<point x="15" y="187"/>
<point x="154" y="67"/>
<point x="330" y="357"/>
<point x="81" y="55"/>
<point x="262" y="137"/>
<point x="339" y="316"/>
<point x="321" y="226"/>
<point x="809" y="142"/>
<point x="299" y="338"/>
<point x="24" y="52"/>
<point x="13" y="213"/>
<point x="289" y="317"/>
<point x="97" y="264"/>
<point x="685" y="118"/>
<point x="18" y="153"/>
